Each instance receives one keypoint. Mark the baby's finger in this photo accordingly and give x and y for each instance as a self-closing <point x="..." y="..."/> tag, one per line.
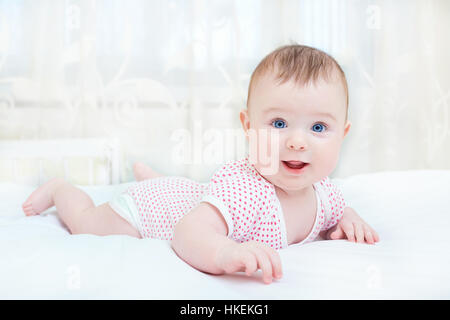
<point x="263" y="263"/>
<point x="359" y="232"/>
<point x="349" y="231"/>
<point x="376" y="237"/>
<point x="275" y="260"/>
<point x="250" y="263"/>
<point x="368" y="234"/>
<point x="337" y="234"/>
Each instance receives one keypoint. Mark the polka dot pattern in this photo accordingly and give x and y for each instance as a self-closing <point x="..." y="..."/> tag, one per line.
<point x="333" y="203"/>
<point x="247" y="201"/>
<point x="162" y="202"/>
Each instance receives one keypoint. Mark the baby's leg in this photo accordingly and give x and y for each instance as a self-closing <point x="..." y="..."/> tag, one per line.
<point x="143" y="172"/>
<point x="77" y="210"/>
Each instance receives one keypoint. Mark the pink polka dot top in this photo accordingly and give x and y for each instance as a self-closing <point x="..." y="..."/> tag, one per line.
<point x="246" y="200"/>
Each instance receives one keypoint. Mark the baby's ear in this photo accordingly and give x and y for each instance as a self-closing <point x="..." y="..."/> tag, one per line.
<point x="245" y="121"/>
<point x="347" y="127"/>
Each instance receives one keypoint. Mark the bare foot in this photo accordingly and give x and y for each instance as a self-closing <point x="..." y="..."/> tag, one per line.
<point x="41" y="199"/>
<point x="143" y="172"/>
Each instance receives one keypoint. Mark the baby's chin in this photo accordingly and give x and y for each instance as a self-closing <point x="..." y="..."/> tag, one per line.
<point x="291" y="188"/>
<point x="289" y="184"/>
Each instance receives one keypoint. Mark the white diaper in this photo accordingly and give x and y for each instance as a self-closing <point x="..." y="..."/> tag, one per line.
<point x="125" y="207"/>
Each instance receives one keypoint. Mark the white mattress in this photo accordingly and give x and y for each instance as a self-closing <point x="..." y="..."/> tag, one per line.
<point x="410" y="210"/>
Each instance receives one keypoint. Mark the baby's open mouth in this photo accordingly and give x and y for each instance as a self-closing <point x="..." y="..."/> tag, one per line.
<point x="295" y="164"/>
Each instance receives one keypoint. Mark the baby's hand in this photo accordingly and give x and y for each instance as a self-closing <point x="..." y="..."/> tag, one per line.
<point x="249" y="257"/>
<point x="352" y="227"/>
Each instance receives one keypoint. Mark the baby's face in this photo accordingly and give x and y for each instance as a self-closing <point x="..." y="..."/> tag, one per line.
<point x="305" y="127"/>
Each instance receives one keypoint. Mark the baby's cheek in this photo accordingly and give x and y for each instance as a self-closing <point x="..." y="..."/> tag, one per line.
<point x="328" y="158"/>
<point x="265" y="142"/>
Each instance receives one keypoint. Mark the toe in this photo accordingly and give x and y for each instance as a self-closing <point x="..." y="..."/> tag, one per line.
<point x="28" y="209"/>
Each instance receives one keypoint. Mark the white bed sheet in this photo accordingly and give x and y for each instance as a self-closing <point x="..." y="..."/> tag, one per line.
<point x="410" y="210"/>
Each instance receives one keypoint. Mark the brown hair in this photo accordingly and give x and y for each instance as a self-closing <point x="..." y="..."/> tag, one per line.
<point x="301" y="63"/>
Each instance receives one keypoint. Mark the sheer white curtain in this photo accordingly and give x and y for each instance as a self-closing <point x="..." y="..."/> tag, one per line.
<point x="168" y="77"/>
<point x="400" y="87"/>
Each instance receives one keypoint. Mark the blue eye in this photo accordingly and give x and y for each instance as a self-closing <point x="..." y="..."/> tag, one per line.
<point x="279" y="124"/>
<point x="318" y="127"/>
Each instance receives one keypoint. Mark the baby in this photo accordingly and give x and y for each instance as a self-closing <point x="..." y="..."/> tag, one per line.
<point x="297" y="110"/>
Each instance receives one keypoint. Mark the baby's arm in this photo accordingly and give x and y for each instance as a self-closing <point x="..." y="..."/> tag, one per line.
<point x="200" y="239"/>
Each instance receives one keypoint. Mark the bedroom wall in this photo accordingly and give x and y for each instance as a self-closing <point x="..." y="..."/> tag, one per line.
<point x="170" y="77"/>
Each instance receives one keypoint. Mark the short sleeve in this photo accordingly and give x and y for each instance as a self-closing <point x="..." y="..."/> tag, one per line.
<point x="218" y="195"/>
<point x="332" y="202"/>
<point x="240" y="197"/>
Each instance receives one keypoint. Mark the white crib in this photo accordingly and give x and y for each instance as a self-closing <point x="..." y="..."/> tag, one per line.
<point x="59" y="152"/>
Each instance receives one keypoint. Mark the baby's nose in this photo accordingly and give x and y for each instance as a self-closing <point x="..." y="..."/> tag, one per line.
<point x="293" y="147"/>
<point x="296" y="143"/>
